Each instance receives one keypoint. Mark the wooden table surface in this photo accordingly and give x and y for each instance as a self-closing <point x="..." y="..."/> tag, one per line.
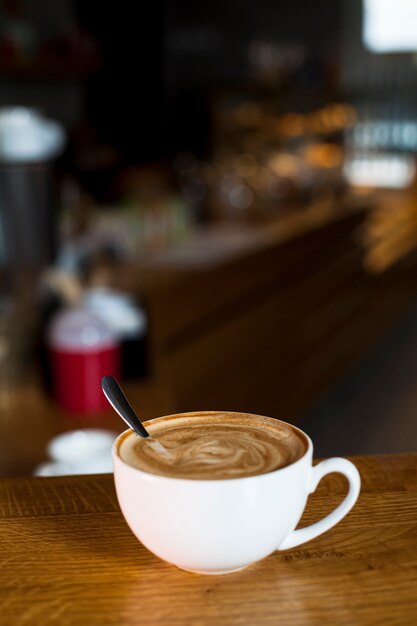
<point x="67" y="557"/>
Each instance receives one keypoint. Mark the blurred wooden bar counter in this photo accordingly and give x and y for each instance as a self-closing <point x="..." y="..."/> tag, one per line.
<point x="69" y="558"/>
<point x="260" y="318"/>
<point x="264" y="319"/>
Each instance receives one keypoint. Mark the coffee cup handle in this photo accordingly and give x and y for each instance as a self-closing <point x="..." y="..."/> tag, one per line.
<point x="340" y="466"/>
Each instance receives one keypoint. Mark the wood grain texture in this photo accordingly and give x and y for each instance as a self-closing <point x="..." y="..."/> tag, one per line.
<point x="68" y="558"/>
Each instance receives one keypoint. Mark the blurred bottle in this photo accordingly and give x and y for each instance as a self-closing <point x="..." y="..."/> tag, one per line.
<point x="82" y="350"/>
<point x="128" y="321"/>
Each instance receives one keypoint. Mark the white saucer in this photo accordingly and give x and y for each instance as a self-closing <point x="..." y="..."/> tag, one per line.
<point x="81" y="446"/>
<point x="99" y="466"/>
<point x="79" y="452"/>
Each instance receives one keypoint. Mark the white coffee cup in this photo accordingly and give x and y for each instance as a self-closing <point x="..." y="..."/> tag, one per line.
<point x="221" y="526"/>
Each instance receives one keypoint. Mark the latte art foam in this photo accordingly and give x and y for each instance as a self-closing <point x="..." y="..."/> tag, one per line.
<point x="213" y="446"/>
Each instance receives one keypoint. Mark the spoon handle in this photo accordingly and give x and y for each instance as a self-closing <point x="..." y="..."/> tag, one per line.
<point x="121" y="405"/>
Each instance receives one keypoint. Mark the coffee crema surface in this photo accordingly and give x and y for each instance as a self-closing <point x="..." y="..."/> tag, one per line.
<point x="213" y="445"/>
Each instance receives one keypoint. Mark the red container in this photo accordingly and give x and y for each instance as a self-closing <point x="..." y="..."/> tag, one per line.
<point x="83" y="350"/>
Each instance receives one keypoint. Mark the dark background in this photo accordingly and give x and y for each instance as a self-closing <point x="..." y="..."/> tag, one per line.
<point x="163" y="60"/>
<point x="143" y="77"/>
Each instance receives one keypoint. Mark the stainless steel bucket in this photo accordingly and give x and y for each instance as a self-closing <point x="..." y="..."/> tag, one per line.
<point x="26" y="214"/>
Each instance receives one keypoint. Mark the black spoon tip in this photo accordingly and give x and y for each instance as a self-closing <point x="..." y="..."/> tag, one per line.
<point x="121" y="405"/>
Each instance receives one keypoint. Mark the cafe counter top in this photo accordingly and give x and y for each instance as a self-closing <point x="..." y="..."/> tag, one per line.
<point x="68" y="558"/>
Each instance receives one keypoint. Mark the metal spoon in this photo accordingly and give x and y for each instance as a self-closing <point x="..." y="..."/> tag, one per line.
<point x="121" y="405"/>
